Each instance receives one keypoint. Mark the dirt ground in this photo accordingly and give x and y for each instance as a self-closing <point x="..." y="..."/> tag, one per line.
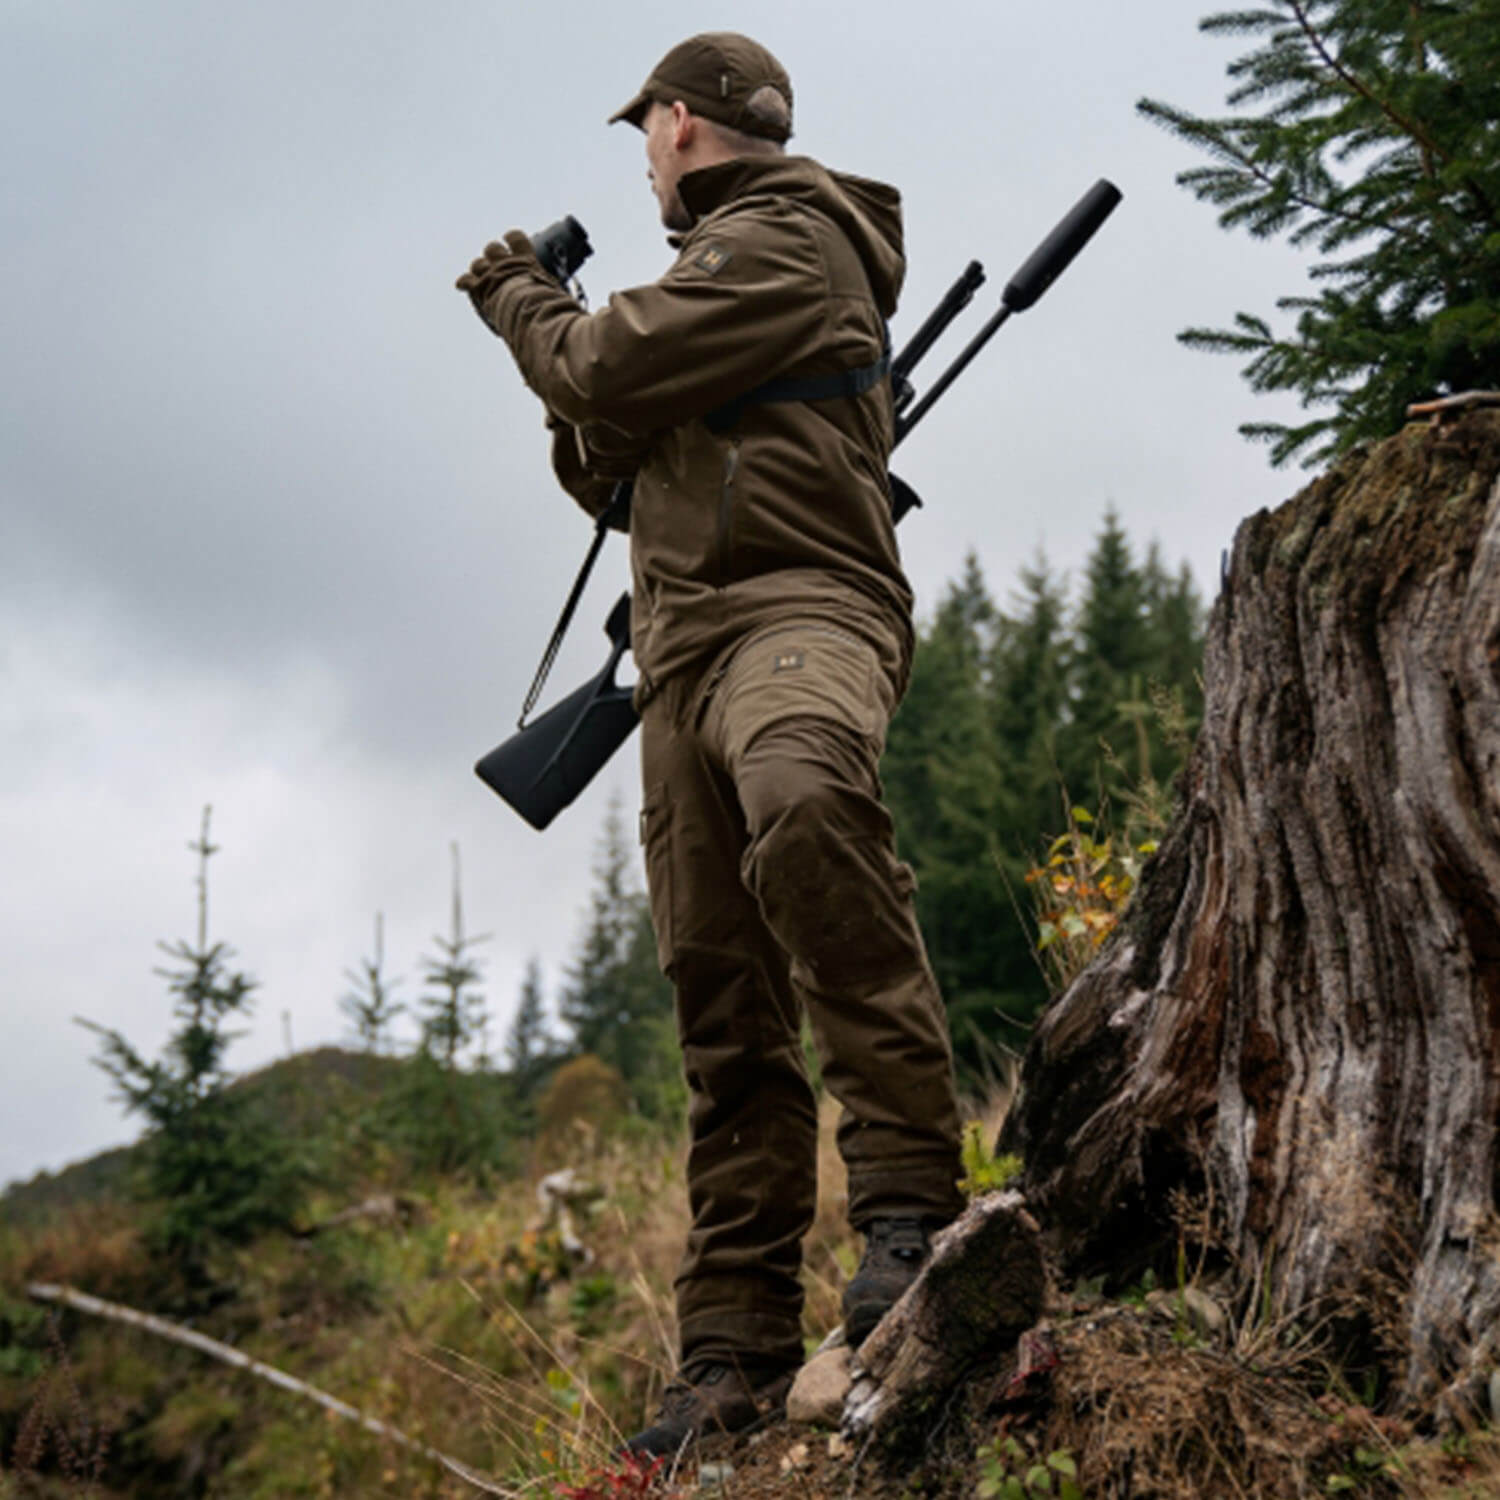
<point x="1140" y="1403"/>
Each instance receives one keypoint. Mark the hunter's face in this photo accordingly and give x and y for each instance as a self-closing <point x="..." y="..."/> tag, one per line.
<point x="664" y="164"/>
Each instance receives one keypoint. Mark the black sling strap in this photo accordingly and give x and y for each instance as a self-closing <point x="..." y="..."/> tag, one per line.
<point x="808" y="388"/>
<point x="614" y="516"/>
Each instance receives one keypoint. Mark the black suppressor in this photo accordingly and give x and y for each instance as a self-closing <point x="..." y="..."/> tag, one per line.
<point x="562" y="247"/>
<point x="1042" y="267"/>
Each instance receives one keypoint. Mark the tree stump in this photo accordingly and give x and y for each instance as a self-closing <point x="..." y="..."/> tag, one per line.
<point x="1300" y="1018"/>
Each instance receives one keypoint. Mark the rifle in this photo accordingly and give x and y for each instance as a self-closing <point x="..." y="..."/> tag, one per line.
<point x="545" y="764"/>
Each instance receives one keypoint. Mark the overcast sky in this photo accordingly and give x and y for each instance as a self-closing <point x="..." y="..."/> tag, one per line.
<point x="277" y="530"/>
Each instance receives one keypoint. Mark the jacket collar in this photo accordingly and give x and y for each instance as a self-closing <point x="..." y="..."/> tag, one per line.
<point x="708" y="188"/>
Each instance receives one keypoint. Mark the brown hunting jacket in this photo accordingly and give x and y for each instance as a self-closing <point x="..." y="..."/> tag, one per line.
<point x="784" y="511"/>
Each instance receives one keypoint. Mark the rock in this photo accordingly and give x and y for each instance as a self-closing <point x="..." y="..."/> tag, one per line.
<point x="795" y="1457"/>
<point x="1202" y="1313"/>
<point x="818" y="1393"/>
<point x="1207" y="1316"/>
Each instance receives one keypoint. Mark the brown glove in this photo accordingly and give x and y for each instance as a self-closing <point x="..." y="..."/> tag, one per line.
<point x="500" y="261"/>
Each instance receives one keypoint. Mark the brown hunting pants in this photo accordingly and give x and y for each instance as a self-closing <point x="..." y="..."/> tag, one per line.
<point x="775" y="891"/>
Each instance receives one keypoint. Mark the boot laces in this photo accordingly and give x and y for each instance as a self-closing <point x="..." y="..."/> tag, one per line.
<point x="902" y="1239"/>
<point x="682" y="1393"/>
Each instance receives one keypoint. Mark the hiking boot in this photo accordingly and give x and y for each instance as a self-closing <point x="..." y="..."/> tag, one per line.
<point x="895" y="1252"/>
<point x="712" y="1397"/>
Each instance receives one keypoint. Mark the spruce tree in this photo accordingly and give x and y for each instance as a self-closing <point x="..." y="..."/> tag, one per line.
<point x="1111" y="661"/>
<point x="210" y="1168"/>
<point x="528" y="1045"/>
<point x="949" y="796"/>
<point x="440" y="1115"/>
<point x="454" y="1012"/>
<point x="592" y="1002"/>
<point x="1364" y="129"/>
<point x="1008" y="715"/>
<point x="1174" y="625"/>
<point x="614" y="999"/>
<point x="1030" y="671"/>
<point x="369" y="1004"/>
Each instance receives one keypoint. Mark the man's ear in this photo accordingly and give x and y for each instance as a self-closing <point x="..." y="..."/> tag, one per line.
<point x="684" y="126"/>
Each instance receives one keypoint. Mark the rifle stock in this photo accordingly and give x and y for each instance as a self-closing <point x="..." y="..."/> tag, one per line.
<point x="544" y="765"/>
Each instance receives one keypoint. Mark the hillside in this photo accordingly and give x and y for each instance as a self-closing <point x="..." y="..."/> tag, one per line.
<point x="481" y="1264"/>
<point x="295" y="1090"/>
<point x="461" y="1321"/>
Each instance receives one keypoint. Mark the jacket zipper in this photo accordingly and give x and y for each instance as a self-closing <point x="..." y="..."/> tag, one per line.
<point x="726" y="510"/>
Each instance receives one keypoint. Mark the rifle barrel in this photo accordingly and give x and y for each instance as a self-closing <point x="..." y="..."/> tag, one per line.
<point x="1040" y="269"/>
<point x="907" y="420"/>
<point x="955" y="299"/>
<point x="1055" y="254"/>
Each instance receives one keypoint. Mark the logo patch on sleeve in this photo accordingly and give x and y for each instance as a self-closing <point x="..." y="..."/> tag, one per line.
<point x="788" y="661"/>
<point x="712" y="258"/>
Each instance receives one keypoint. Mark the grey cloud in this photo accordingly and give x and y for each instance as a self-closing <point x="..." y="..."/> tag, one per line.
<point x="276" y="526"/>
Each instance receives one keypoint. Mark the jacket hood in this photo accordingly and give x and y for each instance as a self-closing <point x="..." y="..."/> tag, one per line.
<point x="869" y="213"/>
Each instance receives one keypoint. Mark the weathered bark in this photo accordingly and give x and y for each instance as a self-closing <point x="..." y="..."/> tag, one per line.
<point x="982" y="1288"/>
<point x="1302" y="1014"/>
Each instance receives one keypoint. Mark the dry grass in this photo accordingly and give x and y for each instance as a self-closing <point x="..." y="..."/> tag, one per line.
<point x="426" y="1326"/>
<point x="98" y="1246"/>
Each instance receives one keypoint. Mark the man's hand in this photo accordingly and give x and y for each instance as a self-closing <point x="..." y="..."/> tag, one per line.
<point x="501" y="260"/>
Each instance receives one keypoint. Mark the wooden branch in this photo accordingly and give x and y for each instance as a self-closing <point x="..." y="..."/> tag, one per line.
<point x="983" y="1286"/>
<point x="382" y="1208"/>
<point x="227" y="1354"/>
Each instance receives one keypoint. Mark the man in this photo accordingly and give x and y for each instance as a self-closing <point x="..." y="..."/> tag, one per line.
<point x="745" y="392"/>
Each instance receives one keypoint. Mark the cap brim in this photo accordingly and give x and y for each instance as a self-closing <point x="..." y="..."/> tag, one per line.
<point x="634" y="112"/>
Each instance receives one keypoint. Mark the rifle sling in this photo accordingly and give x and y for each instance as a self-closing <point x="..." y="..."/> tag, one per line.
<point x="619" y="501"/>
<point x="849" y="383"/>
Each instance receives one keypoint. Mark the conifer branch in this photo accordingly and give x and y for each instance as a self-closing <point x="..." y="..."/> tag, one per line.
<point x="1221" y="142"/>
<point x="1353" y="82"/>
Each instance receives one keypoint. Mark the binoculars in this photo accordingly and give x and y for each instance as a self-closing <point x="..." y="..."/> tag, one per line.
<point x="562" y="247"/>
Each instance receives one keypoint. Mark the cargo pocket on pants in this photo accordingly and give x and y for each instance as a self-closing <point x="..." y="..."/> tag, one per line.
<point x="656" y="840"/>
<point x="802" y="672"/>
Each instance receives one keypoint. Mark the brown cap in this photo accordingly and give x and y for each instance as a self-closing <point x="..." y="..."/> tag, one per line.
<point x="714" y="74"/>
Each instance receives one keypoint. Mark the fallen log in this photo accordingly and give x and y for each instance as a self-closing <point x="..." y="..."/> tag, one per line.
<point x="66" y="1296"/>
